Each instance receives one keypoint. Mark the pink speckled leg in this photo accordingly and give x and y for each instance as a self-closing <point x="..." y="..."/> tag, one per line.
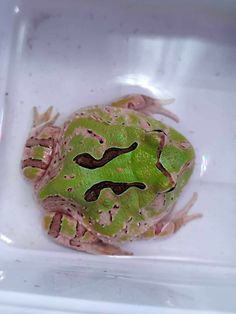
<point x="43" y="135"/>
<point x="67" y="231"/>
<point x="174" y="221"/>
<point x="146" y="105"/>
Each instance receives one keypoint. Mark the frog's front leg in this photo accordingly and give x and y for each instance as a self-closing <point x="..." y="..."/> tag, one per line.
<point x="69" y="232"/>
<point x="146" y="105"/>
<point x="42" y="120"/>
<point x="40" y="144"/>
<point x="173" y="222"/>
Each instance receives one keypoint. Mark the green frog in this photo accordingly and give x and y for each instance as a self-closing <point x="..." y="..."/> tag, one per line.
<point x="109" y="175"/>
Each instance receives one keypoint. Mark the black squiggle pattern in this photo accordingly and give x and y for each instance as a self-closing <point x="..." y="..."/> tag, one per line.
<point x="87" y="161"/>
<point x="118" y="188"/>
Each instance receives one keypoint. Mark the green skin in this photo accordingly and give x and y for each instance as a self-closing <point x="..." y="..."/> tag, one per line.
<point x="120" y="128"/>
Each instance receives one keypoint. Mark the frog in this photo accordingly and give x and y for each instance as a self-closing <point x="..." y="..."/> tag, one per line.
<point x="110" y="174"/>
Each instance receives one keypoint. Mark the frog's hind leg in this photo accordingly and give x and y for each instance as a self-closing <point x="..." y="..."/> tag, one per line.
<point x="67" y="231"/>
<point x="146" y="105"/>
<point x="174" y="221"/>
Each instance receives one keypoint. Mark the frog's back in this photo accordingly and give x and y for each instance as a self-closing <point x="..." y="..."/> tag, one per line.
<point x="111" y="167"/>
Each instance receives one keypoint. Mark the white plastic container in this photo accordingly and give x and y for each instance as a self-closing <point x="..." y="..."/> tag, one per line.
<point x="76" y="53"/>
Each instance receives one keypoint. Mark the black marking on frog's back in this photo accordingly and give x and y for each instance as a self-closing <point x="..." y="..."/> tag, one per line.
<point x="118" y="188"/>
<point x="85" y="160"/>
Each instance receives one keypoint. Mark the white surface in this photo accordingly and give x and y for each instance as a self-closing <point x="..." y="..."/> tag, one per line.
<point x="76" y="53"/>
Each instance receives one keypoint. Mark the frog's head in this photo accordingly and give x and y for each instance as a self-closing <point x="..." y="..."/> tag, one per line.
<point x="38" y="152"/>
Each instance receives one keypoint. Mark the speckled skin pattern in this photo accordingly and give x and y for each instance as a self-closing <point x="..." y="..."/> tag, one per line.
<point x="110" y="174"/>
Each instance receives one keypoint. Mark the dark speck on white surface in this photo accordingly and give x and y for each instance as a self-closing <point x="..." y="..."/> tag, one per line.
<point x="29" y="42"/>
<point x="91" y="16"/>
<point x="40" y="19"/>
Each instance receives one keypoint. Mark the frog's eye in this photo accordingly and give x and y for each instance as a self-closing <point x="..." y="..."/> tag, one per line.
<point x="87" y="161"/>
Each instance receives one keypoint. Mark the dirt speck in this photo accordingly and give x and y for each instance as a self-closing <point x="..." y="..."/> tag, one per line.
<point x="29" y="42"/>
<point x="91" y="16"/>
<point x="40" y="20"/>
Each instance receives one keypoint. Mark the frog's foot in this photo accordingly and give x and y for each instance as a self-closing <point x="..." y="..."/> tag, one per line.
<point x="69" y="232"/>
<point x="147" y="105"/>
<point x="41" y="120"/>
<point x="176" y="220"/>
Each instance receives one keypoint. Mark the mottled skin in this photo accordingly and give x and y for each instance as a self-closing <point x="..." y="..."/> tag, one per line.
<point x="109" y="175"/>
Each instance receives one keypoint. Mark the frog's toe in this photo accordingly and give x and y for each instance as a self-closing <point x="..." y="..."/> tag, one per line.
<point x="107" y="249"/>
<point x="157" y="106"/>
<point x="177" y="219"/>
<point x="45" y="118"/>
<point x="147" y="105"/>
<point x="173" y="222"/>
